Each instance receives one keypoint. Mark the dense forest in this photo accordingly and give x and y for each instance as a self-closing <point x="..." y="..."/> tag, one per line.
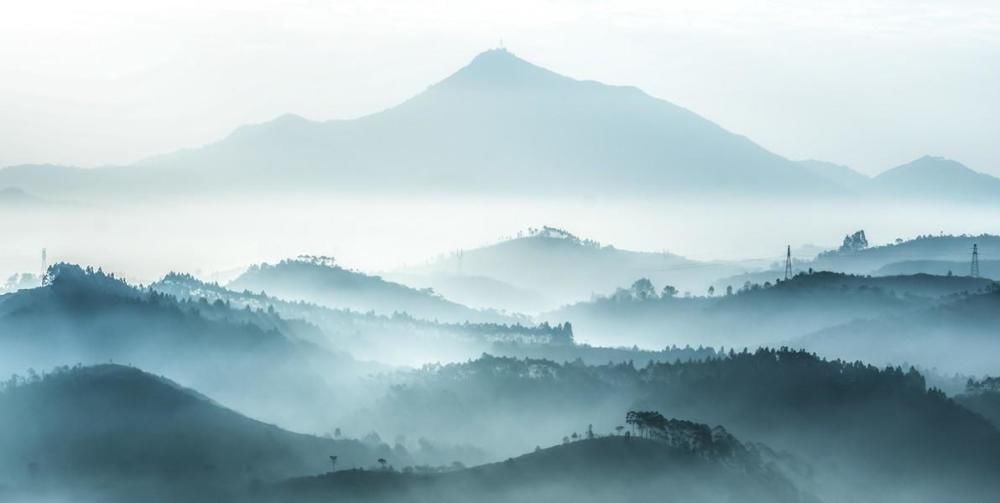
<point x="851" y="421"/>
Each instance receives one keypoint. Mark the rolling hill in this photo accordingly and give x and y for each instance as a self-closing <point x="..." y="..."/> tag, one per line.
<point x="870" y="434"/>
<point x="754" y="314"/>
<point x="316" y="281"/>
<point x="90" y="317"/>
<point x="959" y="336"/>
<point x="564" y="268"/>
<point x="116" y="433"/>
<point x="948" y="248"/>
<point x="593" y="470"/>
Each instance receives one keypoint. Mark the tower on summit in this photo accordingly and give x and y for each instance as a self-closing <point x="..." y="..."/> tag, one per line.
<point x="788" y="263"/>
<point x="974" y="267"/>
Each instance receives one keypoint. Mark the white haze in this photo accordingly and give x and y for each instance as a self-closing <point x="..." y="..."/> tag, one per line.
<point x="213" y="239"/>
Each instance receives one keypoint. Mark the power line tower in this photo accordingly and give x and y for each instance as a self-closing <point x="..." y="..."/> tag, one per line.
<point x="788" y="263"/>
<point x="45" y="265"/>
<point x="974" y="267"/>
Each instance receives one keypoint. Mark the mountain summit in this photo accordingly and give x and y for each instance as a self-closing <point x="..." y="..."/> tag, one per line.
<point x="500" y="67"/>
<point x="499" y="124"/>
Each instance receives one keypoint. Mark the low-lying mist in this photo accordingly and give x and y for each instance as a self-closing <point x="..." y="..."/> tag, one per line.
<point x="215" y="238"/>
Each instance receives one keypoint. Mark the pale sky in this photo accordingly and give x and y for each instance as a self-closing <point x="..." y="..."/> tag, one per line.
<point x="871" y="84"/>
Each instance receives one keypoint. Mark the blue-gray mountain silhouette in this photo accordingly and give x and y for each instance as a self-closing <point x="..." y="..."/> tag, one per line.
<point x="499" y="123"/>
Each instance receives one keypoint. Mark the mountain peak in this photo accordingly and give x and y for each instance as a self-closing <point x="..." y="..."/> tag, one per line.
<point x="501" y="67"/>
<point x="928" y="165"/>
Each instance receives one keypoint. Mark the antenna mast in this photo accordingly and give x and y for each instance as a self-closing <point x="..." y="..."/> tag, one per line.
<point x="788" y="263"/>
<point x="974" y="267"/>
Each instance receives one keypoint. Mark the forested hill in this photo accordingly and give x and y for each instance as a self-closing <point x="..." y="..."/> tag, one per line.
<point x="958" y="336"/>
<point x="868" y="259"/>
<point x="88" y="316"/>
<point x="563" y="268"/>
<point x="393" y="339"/>
<point x="594" y="470"/>
<point x="318" y="280"/>
<point x="116" y="433"/>
<point x="877" y="433"/>
<point x="401" y="338"/>
<point x="751" y="314"/>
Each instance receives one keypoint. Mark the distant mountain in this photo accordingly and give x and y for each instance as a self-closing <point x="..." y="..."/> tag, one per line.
<point x="500" y="124"/>
<point x="842" y="176"/>
<point x="937" y="178"/>
<point x="330" y="285"/>
<point x="585" y="471"/>
<point x="116" y="433"/>
<point x="565" y="268"/>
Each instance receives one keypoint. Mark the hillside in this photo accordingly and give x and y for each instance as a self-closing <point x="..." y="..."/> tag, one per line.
<point x="119" y="433"/>
<point x="987" y="268"/>
<point x="957" y="336"/>
<point x="565" y="268"/>
<point x="753" y="314"/>
<point x="398" y="339"/>
<point x="319" y="282"/>
<point x="500" y="124"/>
<point x="90" y="317"/>
<point x="982" y="397"/>
<point x="870" y="434"/>
<point x="593" y="470"/>
<point x="868" y="259"/>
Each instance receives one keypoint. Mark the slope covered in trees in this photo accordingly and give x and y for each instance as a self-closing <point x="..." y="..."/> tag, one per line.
<point x="319" y="281"/>
<point x="115" y="433"/>
<point x="403" y="339"/>
<point x="871" y="434"/>
<point x="868" y="259"/>
<point x="956" y="336"/>
<point x="90" y="317"/>
<point x="590" y="470"/>
<point x="752" y="314"/>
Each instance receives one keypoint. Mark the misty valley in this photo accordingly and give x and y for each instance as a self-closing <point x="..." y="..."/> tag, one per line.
<point x="321" y="311"/>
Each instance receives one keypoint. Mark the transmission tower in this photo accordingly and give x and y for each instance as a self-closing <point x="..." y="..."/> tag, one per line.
<point x="974" y="268"/>
<point x="45" y="265"/>
<point x="788" y="263"/>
